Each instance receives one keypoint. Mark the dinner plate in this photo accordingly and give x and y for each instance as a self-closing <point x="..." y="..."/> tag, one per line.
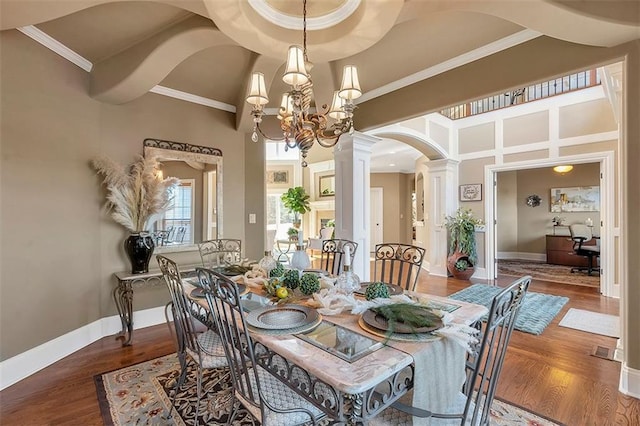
<point x="295" y="330"/>
<point x="415" y="337"/>
<point x="378" y="321"/>
<point x="393" y="289"/>
<point x="282" y="317"/>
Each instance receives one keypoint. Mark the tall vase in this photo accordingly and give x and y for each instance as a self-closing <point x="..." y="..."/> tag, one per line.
<point x="139" y="248"/>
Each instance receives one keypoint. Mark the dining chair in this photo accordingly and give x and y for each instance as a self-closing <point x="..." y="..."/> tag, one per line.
<point x="332" y="258"/>
<point x="268" y="399"/>
<point x="219" y="252"/>
<point x="483" y="366"/>
<point x="204" y="349"/>
<point x="399" y="264"/>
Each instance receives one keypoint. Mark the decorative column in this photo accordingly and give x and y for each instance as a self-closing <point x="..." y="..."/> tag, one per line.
<point x="442" y="201"/>
<point x="352" y="166"/>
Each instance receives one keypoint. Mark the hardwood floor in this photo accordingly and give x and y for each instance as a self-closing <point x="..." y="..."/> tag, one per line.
<point x="552" y="374"/>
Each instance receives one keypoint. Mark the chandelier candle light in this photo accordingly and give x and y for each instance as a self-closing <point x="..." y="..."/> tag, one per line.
<point x="300" y="127"/>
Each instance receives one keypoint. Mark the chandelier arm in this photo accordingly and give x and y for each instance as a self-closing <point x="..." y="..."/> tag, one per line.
<point x="265" y="136"/>
<point x="327" y="141"/>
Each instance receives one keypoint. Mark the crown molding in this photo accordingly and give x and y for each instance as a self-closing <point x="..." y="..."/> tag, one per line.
<point x="177" y="94"/>
<point x="57" y="47"/>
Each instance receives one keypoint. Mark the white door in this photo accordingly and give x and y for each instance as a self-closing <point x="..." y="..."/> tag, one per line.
<point x="376" y="217"/>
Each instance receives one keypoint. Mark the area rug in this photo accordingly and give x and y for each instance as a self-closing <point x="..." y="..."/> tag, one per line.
<point x="537" y="311"/>
<point x="546" y="272"/>
<point x="592" y="322"/>
<point x="140" y="395"/>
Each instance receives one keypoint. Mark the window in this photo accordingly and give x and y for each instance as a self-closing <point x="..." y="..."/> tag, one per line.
<point x="179" y="219"/>
<point x="278" y="217"/>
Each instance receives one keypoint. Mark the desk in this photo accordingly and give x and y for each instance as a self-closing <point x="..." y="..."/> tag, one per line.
<point x="345" y="391"/>
<point x="123" y="296"/>
<point x="560" y="251"/>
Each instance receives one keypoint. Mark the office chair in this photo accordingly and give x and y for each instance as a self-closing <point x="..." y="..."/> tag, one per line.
<point x="581" y="234"/>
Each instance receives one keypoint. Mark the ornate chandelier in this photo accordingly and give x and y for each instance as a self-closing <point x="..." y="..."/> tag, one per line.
<point x="300" y="126"/>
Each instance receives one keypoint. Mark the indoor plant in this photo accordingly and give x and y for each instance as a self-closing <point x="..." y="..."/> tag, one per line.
<point x="296" y="200"/>
<point x="134" y="194"/>
<point x="462" y="241"/>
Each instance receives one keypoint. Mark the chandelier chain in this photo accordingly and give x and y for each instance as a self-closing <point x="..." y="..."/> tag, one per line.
<point x="304" y="29"/>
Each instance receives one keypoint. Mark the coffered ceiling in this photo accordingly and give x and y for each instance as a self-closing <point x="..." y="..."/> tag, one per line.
<point x="208" y="48"/>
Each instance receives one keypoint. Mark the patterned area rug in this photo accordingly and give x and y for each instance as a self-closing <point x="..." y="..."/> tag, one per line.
<point x="546" y="272"/>
<point x="537" y="311"/>
<point x="141" y="394"/>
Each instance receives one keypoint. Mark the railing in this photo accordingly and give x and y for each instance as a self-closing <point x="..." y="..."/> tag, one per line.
<point x="569" y="83"/>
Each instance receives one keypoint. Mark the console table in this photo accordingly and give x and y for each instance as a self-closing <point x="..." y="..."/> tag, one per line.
<point x="123" y="295"/>
<point x="560" y="251"/>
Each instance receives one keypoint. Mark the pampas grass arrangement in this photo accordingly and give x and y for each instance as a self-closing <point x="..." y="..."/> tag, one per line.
<point x="135" y="193"/>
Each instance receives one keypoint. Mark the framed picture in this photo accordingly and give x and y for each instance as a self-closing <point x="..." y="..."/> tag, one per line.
<point x="471" y="192"/>
<point x="327" y="186"/>
<point x="576" y="199"/>
<point x="280" y="177"/>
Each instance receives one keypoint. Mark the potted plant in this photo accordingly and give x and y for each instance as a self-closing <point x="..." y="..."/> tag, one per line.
<point x="293" y="234"/>
<point x="462" y="245"/>
<point x="135" y="194"/>
<point x="296" y="200"/>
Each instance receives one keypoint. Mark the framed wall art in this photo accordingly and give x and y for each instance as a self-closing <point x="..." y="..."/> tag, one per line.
<point x="279" y="177"/>
<point x="576" y="199"/>
<point x="471" y="192"/>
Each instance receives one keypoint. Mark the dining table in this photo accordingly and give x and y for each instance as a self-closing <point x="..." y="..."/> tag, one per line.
<point x="349" y="370"/>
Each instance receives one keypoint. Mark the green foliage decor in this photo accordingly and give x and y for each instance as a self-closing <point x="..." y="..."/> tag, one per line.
<point x="296" y="200"/>
<point x="462" y="228"/>
<point x="277" y="271"/>
<point x="376" y="290"/>
<point x="462" y="265"/>
<point x="309" y="283"/>
<point x="291" y="278"/>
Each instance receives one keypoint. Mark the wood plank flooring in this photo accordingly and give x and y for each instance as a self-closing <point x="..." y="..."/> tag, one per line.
<point x="552" y="374"/>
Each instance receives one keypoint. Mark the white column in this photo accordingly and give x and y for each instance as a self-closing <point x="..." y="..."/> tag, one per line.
<point x="442" y="201"/>
<point x="352" y="162"/>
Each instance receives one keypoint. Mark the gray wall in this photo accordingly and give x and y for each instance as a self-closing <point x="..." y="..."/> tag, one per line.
<point x="59" y="249"/>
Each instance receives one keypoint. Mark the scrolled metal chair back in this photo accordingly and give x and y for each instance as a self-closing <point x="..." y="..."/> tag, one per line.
<point x="183" y="321"/>
<point x="225" y="304"/>
<point x="219" y="252"/>
<point x="332" y="258"/>
<point x="398" y="264"/>
<point x="485" y="364"/>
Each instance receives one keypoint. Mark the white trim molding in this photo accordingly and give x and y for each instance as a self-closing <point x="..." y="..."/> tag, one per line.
<point x="55" y="46"/>
<point x="195" y="99"/>
<point x="23" y="365"/>
<point x="629" y="381"/>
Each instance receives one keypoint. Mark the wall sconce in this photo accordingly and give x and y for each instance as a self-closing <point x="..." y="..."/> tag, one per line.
<point x="563" y="169"/>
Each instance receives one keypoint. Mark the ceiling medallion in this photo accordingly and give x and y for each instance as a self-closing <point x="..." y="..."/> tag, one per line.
<point x="300" y="127"/>
<point x="324" y="21"/>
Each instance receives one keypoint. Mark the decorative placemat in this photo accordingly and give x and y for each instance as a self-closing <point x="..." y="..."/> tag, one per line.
<point x="282" y="317"/>
<point x="281" y="332"/>
<point x="422" y="337"/>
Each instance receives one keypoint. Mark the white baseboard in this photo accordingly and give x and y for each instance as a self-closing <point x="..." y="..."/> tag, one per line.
<point x="630" y="381"/>
<point x="23" y="365"/>
<point x="515" y="255"/>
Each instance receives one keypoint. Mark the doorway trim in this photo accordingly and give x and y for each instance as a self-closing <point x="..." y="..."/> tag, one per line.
<point x="608" y="263"/>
